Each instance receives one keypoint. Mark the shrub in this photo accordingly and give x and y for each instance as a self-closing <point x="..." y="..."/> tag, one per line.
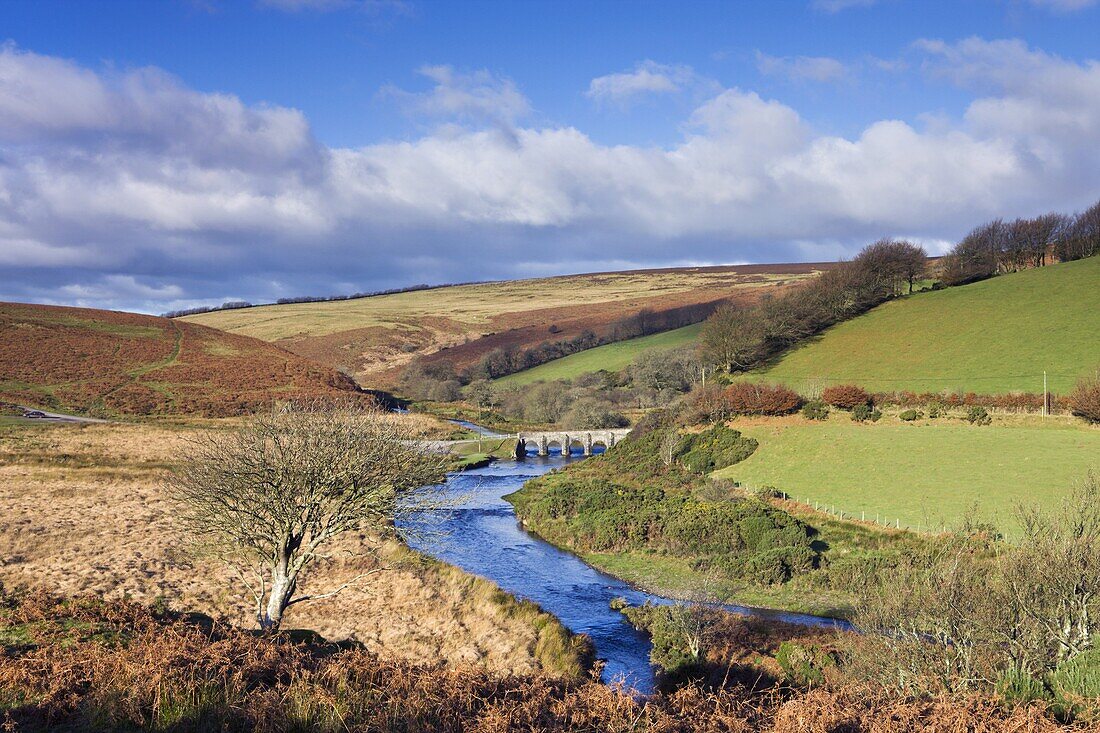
<point x="846" y="396"/>
<point x="778" y="565"/>
<point x="1084" y="401"/>
<point x="1016" y="401"/>
<point x="863" y="413"/>
<point x="1079" y="676"/>
<point x="677" y="634"/>
<point x="815" y="410"/>
<point x="978" y="416"/>
<point x="910" y="415"/>
<point x="745" y="398"/>
<point x="936" y="409"/>
<point x="707" y="404"/>
<point x="803" y="665"/>
<point x="715" y="448"/>
<point x="1018" y="686"/>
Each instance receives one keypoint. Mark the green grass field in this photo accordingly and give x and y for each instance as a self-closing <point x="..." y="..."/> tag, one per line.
<point x="994" y="336"/>
<point x="612" y="357"/>
<point x="923" y="474"/>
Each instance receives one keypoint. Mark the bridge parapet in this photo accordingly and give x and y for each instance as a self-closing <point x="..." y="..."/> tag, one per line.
<point x="588" y="439"/>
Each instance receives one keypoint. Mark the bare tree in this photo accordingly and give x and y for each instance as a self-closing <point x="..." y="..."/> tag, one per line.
<point x="1029" y="240"/>
<point x="669" y="443"/>
<point x="732" y="337"/>
<point x="891" y="264"/>
<point x="977" y="256"/>
<point x="272" y="496"/>
<point x="1082" y="236"/>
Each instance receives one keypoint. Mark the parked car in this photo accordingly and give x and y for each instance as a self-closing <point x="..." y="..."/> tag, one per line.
<point x="34" y="413"/>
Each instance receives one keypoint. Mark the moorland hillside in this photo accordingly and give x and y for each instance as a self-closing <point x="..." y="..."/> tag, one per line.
<point x="108" y="363"/>
<point x="376" y="337"/>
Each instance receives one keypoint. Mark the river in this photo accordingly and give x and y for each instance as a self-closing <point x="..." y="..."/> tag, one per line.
<point x="479" y="532"/>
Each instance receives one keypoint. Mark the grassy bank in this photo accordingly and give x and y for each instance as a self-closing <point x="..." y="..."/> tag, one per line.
<point x="927" y="473"/>
<point x="995" y="336"/>
<point x="611" y="357"/>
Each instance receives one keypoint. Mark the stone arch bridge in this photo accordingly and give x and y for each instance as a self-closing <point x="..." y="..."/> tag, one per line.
<point x="565" y="439"/>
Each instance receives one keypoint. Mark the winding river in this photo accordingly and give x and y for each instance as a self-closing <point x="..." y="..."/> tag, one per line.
<point x="478" y="531"/>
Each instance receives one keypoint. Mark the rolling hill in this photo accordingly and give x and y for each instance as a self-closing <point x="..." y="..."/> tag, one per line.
<point x="612" y="357"/>
<point x="994" y="336"/>
<point x="376" y="337"/>
<point x="108" y="363"/>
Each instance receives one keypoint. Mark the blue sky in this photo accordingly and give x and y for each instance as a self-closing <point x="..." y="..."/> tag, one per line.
<point x="163" y="154"/>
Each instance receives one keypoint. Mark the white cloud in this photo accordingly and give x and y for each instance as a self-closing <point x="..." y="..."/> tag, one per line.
<point x="478" y="95"/>
<point x="1046" y="106"/>
<point x="648" y="77"/>
<point x="192" y="195"/>
<point x="801" y="68"/>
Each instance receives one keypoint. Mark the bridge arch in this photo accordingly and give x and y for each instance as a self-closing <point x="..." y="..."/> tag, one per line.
<point x="563" y="440"/>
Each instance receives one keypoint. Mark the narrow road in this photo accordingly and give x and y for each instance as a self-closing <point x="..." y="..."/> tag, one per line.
<point x="57" y="416"/>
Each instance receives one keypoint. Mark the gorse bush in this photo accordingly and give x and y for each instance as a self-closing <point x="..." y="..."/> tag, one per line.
<point x="714" y="448"/>
<point x="815" y="410"/>
<point x="1018" y="685"/>
<point x="978" y="416"/>
<point x="845" y="396"/>
<point x="863" y="413"/>
<point x="910" y="415"/>
<point x="804" y="665"/>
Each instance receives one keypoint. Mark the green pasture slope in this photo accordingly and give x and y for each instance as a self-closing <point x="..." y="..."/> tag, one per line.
<point x="994" y="336"/>
<point x="925" y="474"/>
<point x="612" y="357"/>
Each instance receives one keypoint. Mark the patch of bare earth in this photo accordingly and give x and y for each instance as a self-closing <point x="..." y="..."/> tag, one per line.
<point x="82" y="509"/>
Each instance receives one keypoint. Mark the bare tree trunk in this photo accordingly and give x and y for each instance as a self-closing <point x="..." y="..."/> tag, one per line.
<point x="283" y="584"/>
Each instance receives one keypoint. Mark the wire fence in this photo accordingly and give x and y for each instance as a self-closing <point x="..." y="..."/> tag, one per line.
<point x="877" y="517"/>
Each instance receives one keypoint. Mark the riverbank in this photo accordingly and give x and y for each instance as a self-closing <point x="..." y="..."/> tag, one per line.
<point x="674" y="578"/>
<point x="651" y="522"/>
<point x="479" y="532"/>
